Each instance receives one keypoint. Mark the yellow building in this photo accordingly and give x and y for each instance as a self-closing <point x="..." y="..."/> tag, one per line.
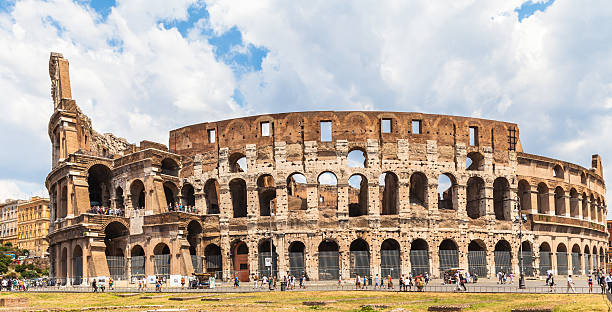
<point x="33" y="226"/>
<point x="8" y="221"/>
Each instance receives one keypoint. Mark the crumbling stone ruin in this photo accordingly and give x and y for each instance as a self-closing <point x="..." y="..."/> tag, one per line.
<point x="338" y="194"/>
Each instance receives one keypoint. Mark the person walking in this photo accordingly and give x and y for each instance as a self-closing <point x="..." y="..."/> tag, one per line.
<point x="570" y="284"/>
<point x="376" y="279"/>
<point x="255" y="278"/>
<point x="236" y="283"/>
<point x="551" y="283"/>
<point x="590" y="281"/>
<point x="602" y="283"/>
<point x="609" y="282"/>
<point x="94" y="285"/>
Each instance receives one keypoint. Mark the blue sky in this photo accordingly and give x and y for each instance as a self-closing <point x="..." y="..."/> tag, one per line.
<point x="141" y="68"/>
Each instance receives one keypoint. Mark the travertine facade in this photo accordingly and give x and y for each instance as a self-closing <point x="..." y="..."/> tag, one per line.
<point x="349" y="192"/>
<point x="33" y="226"/>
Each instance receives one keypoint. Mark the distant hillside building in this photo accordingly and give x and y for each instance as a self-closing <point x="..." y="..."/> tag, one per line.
<point x="8" y="221"/>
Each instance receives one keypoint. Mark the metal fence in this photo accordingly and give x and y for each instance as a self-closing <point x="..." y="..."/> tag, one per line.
<point x="503" y="261"/>
<point x="116" y="267"/>
<point x="390" y="263"/>
<point x="360" y="263"/>
<point x="576" y="265"/>
<point x="587" y="263"/>
<point x="296" y="263"/>
<point x="78" y="270"/>
<point x="419" y="262"/>
<point x="329" y="265"/>
<point x="562" y="268"/>
<point x="545" y="262"/>
<point x="138" y="266"/>
<point x="477" y="263"/>
<point x="265" y="270"/>
<point x="448" y="259"/>
<point x="214" y="265"/>
<point x="528" y="261"/>
<point x="161" y="265"/>
<point x="196" y="262"/>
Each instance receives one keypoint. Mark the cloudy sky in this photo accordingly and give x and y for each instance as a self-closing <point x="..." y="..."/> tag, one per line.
<point x="142" y="67"/>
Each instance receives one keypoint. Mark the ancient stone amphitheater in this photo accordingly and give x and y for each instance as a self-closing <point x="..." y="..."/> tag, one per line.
<point x="325" y="194"/>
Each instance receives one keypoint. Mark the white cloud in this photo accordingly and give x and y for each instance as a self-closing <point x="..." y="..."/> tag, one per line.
<point x="15" y="189"/>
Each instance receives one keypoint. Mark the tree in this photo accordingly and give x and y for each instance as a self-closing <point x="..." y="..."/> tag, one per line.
<point x="5" y="261"/>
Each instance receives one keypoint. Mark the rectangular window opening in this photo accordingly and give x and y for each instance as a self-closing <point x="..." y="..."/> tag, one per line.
<point x="473" y="136"/>
<point x="385" y="126"/>
<point x="416" y="127"/>
<point x="512" y="139"/>
<point x="212" y="135"/>
<point x="326" y="131"/>
<point x="265" y="129"/>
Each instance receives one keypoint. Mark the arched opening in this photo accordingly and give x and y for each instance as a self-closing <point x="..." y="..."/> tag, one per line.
<point x="419" y="257"/>
<point x="602" y="261"/>
<point x="137" y="262"/>
<point x="194" y="236"/>
<point x="296" y="259"/>
<point x="526" y="255"/>
<point x="328" y="191"/>
<point x="238" y="194"/>
<point x="501" y="199"/>
<point x="389" y="192"/>
<point x="360" y="258"/>
<point x="447" y="192"/>
<point x="358" y="195"/>
<point x="587" y="260"/>
<point x="390" y="260"/>
<point x="599" y="210"/>
<point x="477" y="258"/>
<point x="503" y="257"/>
<point x="593" y="206"/>
<point x="268" y="260"/>
<point x="115" y="238"/>
<point x="329" y="263"/>
<point x="77" y="265"/>
<point x="574" y="203"/>
<point x="418" y="189"/>
<point x="238" y="162"/>
<point x="162" y="258"/>
<point x="545" y="259"/>
<point x="137" y="191"/>
<point x="474" y="161"/>
<point x="63" y="202"/>
<point x="240" y="256"/>
<point x="576" y="260"/>
<point x="169" y="167"/>
<point x="356" y="158"/>
<point x="296" y="192"/>
<point x="266" y="191"/>
<point x="448" y="255"/>
<point x="543" y="205"/>
<point x="99" y="185"/>
<point x="171" y="193"/>
<point x="558" y="172"/>
<point x="119" y="202"/>
<point x="562" y="266"/>
<point x="595" y="260"/>
<point x="476" y="204"/>
<point x="214" y="261"/>
<point x="188" y="193"/>
<point x="64" y="266"/>
<point x="559" y="201"/>
<point x="524" y="195"/>
<point x="211" y="194"/>
<point x="585" y="206"/>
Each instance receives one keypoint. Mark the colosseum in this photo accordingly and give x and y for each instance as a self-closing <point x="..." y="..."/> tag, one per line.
<point x="327" y="194"/>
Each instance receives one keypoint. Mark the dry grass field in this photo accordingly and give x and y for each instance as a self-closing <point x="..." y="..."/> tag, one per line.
<point x="293" y="301"/>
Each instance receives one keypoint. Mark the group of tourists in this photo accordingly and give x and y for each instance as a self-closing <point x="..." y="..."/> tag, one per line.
<point x="13" y="284"/>
<point x="181" y="207"/>
<point x="419" y="282"/>
<point x="106" y="211"/>
<point x="503" y="278"/>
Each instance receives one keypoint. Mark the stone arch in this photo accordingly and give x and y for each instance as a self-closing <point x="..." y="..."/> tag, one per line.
<point x="447" y="192"/>
<point x="327" y="191"/>
<point x="137" y="261"/>
<point x="162" y="260"/>
<point x="390" y="258"/>
<point x="587" y="260"/>
<point x="296" y="192"/>
<point x="296" y="258"/>
<point x="240" y="259"/>
<point x="448" y="254"/>
<point x="211" y="194"/>
<point x="64" y="266"/>
<point x="188" y="194"/>
<point x="358" y="195"/>
<point x="169" y="167"/>
<point x="474" y="161"/>
<point x="576" y="259"/>
<point x="389" y="193"/>
<point x="524" y="195"/>
<point x="238" y="193"/>
<point x="418" y="189"/>
<point x="562" y="263"/>
<point x="267" y="249"/>
<point x="171" y="194"/>
<point x="527" y="257"/>
<point x="360" y="257"/>
<point x="213" y="260"/>
<point x="137" y="192"/>
<point x="266" y="192"/>
<point x="116" y="235"/>
<point x="503" y="257"/>
<point x="543" y="198"/>
<point x="77" y="265"/>
<point x="545" y="259"/>
<point x="238" y="162"/>
<point x="329" y="260"/>
<point x="559" y="201"/>
<point x="477" y="258"/>
<point x="119" y="200"/>
<point x="357" y="158"/>
<point x="558" y="172"/>
<point x="574" y="202"/>
<point x="419" y="257"/>
<point x="501" y="198"/>
<point x="99" y="185"/>
<point x="475" y="192"/>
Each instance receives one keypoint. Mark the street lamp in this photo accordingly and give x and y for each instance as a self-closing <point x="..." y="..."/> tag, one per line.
<point x="271" y="252"/>
<point x="520" y="219"/>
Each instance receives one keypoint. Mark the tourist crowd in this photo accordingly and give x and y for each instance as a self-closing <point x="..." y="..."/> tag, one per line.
<point x="106" y="211"/>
